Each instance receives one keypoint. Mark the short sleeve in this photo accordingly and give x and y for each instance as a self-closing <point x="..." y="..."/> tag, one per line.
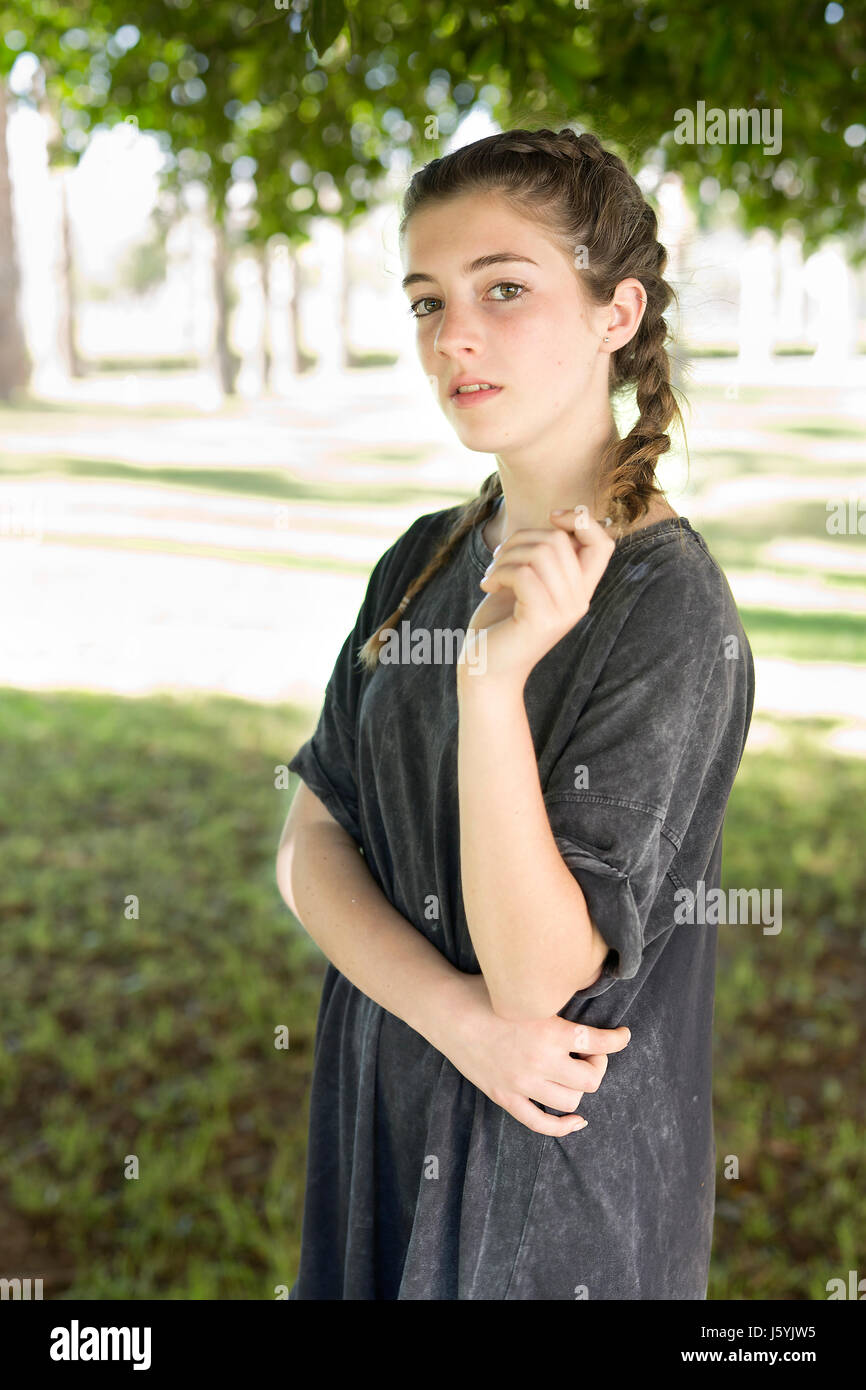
<point x="327" y="762"/>
<point x="623" y="791"/>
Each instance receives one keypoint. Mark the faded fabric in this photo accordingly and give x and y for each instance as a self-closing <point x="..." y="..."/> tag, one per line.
<point x="639" y="717"/>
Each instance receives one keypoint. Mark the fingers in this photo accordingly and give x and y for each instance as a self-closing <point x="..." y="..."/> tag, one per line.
<point x="562" y="583"/>
<point x="596" y="1063"/>
<point x="530" y="592"/>
<point x="577" y="1074"/>
<point x="535" y="1119"/>
<point x="552" y="559"/>
<point x="586" y="1040"/>
<point x="596" y="546"/>
<point x="560" y="1095"/>
<point x="579" y="522"/>
<point x="566" y="1086"/>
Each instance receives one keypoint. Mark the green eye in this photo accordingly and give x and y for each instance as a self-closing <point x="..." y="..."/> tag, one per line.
<point x="503" y="284"/>
<point x="415" y="302"/>
<point x="508" y="285"/>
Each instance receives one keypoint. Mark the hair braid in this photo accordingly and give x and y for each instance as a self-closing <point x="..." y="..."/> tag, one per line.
<point x="473" y="514"/>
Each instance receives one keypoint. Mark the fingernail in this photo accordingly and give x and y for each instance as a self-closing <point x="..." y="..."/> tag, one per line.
<point x="560" y="511"/>
<point x="498" y="548"/>
<point x="628" y="1031"/>
<point x="581" y="1124"/>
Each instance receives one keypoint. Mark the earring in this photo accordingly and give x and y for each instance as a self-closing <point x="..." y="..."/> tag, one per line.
<point x="605" y="340"/>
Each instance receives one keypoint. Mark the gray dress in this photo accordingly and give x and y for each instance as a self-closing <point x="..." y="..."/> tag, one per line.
<point x="418" y="1186"/>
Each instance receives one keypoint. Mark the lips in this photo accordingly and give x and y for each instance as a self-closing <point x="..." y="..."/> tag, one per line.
<point x="473" y="400"/>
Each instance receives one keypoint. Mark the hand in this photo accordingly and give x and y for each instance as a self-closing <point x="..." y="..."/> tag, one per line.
<point x="515" y="1063"/>
<point x="539" y="585"/>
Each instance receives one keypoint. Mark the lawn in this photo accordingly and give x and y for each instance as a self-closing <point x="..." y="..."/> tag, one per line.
<point x="149" y="1038"/>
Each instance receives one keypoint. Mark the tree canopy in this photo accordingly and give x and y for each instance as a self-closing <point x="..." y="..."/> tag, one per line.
<point x="312" y="101"/>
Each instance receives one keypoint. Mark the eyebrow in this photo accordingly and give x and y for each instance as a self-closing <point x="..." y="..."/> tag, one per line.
<point x="470" y="267"/>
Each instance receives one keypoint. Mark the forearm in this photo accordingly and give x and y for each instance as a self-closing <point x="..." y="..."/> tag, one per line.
<point x="325" y="880"/>
<point x="527" y="916"/>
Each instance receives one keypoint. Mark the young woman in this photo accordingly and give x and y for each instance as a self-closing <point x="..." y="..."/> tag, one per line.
<point x="494" y="853"/>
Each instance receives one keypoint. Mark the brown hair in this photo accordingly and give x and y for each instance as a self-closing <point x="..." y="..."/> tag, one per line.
<point x="585" y="198"/>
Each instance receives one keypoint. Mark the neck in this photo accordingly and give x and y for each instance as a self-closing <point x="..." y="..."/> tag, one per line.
<point x="531" y="490"/>
<point x="500" y="526"/>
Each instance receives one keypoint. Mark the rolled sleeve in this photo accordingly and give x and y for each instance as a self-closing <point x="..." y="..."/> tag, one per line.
<point x="619" y="873"/>
<point x="326" y="763"/>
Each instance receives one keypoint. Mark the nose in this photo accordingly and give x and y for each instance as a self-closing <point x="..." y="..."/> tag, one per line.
<point x="457" y="331"/>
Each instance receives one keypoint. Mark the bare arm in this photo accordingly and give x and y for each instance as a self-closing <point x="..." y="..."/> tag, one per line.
<point x="323" y="878"/>
<point x="530" y="926"/>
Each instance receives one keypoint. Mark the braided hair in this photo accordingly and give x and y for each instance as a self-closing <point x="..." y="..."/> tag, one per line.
<point x="585" y="198"/>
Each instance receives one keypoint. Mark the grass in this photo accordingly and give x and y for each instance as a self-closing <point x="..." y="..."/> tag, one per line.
<point x="789" y="1073"/>
<point x="824" y="429"/>
<point x="328" y="563"/>
<point x="276" y="483"/>
<point x="145" y="1044"/>
<point x="148" y="1040"/>
<point x="739" y="542"/>
<point x="807" y="636"/>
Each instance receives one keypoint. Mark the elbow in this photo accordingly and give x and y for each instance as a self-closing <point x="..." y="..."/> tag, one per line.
<point x="309" y="853"/>
<point x="515" y="999"/>
<point x="283" y="868"/>
<point x="522" y="1006"/>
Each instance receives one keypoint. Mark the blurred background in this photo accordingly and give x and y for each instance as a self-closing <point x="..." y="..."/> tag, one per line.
<point x="213" y="424"/>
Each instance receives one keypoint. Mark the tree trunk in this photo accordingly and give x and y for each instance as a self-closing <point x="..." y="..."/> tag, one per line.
<point x="267" y="355"/>
<point x="68" y="312"/>
<point x="345" y="291"/>
<point x="296" y="309"/>
<point x="226" y="361"/>
<point x="15" y="364"/>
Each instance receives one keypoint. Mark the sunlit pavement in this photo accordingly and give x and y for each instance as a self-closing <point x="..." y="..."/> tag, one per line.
<point x="102" y="614"/>
<point x="138" y="622"/>
<point x="135" y="623"/>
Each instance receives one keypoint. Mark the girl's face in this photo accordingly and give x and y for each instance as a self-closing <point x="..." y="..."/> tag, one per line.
<point x="522" y="324"/>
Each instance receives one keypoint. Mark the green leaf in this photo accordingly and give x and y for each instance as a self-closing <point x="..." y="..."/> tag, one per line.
<point x="327" y="19"/>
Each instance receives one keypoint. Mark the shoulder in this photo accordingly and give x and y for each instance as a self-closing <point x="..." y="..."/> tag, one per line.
<point x="665" y="617"/>
<point x="430" y="528"/>
<point x="407" y="556"/>
<point x="417" y="544"/>
<point x="674" y="581"/>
